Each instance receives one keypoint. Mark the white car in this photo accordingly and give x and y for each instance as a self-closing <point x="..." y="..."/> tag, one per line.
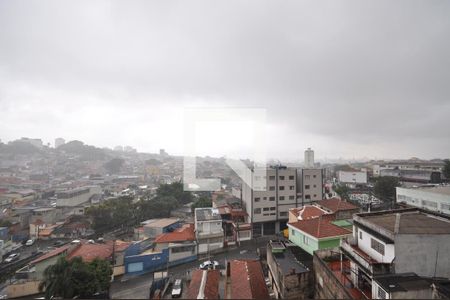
<point x="209" y="264"/>
<point x="177" y="288"/>
<point x="30" y="242"/>
<point x="12" y="257"/>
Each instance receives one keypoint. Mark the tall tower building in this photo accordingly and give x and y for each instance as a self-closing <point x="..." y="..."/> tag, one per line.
<point x="309" y="158"/>
<point x="59" y="142"/>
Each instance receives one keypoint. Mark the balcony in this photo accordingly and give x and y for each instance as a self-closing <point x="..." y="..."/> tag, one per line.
<point x="374" y="267"/>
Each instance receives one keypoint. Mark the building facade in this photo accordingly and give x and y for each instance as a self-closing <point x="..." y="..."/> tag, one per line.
<point x="431" y="198"/>
<point x="311" y="185"/>
<point x="208" y="230"/>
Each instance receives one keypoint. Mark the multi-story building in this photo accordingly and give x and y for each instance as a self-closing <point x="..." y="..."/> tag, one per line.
<point x="268" y="208"/>
<point x="352" y="177"/>
<point x="76" y="196"/>
<point x="59" y="142"/>
<point x="434" y="198"/>
<point x="208" y="230"/>
<point x="388" y="241"/>
<point x="311" y="185"/>
<point x="309" y="158"/>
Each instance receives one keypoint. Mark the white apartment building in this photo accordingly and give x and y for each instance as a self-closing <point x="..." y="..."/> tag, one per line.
<point x="268" y="209"/>
<point x="436" y="198"/>
<point x="309" y="159"/>
<point x="208" y="229"/>
<point x="352" y="177"/>
<point x="398" y="241"/>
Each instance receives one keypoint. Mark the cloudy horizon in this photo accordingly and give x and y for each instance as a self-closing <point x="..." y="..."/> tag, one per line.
<point x="349" y="79"/>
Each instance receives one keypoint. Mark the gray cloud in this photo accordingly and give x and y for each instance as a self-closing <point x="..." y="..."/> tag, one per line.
<point x="349" y="78"/>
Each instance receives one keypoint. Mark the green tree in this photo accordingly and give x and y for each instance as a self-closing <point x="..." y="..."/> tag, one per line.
<point x="202" y="202"/>
<point x="75" y="278"/>
<point x="446" y="170"/>
<point x="343" y="191"/>
<point x="385" y="186"/>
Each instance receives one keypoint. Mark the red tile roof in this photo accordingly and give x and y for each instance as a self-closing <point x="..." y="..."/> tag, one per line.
<point x="121" y="245"/>
<point x="247" y="280"/>
<point x="320" y="227"/>
<point x="88" y="252"/>
<point x="185" y="233"/>
<point x="309" y="212"/>
<point x="50" y="254"/>
<point x="336" y="204"/>
<point x="211" y="290"/>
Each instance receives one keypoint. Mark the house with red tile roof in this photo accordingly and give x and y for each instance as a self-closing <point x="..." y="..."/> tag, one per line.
<point x="180" y="243"/>
<point x="246" y="280"/>
<point x="204" y="285"/>
<point x="305" y="212"/>
<point x="343" y="210"/>
<point x="317" y="233"/>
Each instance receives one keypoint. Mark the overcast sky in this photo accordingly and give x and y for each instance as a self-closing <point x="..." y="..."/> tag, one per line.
<point x="347" y="78"/>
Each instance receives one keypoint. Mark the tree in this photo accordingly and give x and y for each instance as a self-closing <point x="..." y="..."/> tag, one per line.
<point x="446" y="170"/>
<point x="114" y="165"/>
<point x="385" y="187"/>
<point x="343" y="191"/>
<point x="75" y="278"/>
<point x="202" y="202"/>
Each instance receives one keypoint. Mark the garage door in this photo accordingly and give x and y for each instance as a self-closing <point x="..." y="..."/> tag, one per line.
<point x="135" y="267"/>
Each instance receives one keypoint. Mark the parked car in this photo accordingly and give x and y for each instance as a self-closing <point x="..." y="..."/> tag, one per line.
<point x="12" y="257"/>
<point x="30" y="242"/>
<point x="209" y="264"/>
<point x="59" y="243"/>
<point x="177" y="288"/>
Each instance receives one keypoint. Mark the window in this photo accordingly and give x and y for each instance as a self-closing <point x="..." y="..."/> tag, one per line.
<point x="381" y="293"/>
<point x="307" y="187"/>
<point x="281" y="177"/>
<point x="281" y="198"/>
<point x="307" y="177"/>
<point x="429" y="203"/>
<point x="281" y="188"/>
<point x="291" y="197"/>
<point x="265" y="209"/>
<point x="283" y="213"/>
<point x="272" y="188"/>
<point x="271" y="177"/>
<point x="264" y="198"/>
<point x="272" y="208"/>
<point x="257" y="199"/>
<point x="314" y="185"/>
<point x="360" y="235"/>
<point x="315" y="195"/>
<point x="292" y="231"/>
<point x="314" y="176"/>
<point x="271" y="198"/>
<point x="273" y="214"/>
<point x="308" y="197"/>
<point x="257" y="211"/>
<point x="445" y="206"/>
<point x="291" y="187"/>
<point x="305" y="240"/>
<point x="291" y="177"/>
<point x="377" y="246"/>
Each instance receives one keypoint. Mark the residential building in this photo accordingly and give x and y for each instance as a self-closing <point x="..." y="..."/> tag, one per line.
<point x="154" y="227"/>
<point x="388" y="241"/>
<point x="208" y="230"/>
<point x="274" y="192"/>
<point x="204" y="284"/>
<point x="235" y="224"/>
<point x="245" y="280"/>
<point x="402" y="286"/>
<point x="342" y="209"/>
<point x="317" y="233"/>
<point x="433" y="167"/>
<point x="290" y="271"/>
<point x="309" y="159"/>
<point x="352" y="178"/>
<point x="434" y="198"/>
<point x="420" y="176"/>
<point x="311" y="185"/>
<point x="180" y="243"/>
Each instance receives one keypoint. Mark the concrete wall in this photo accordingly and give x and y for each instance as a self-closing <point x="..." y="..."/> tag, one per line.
<point x="364" y="244"/>
<point x="314" y="179"/>
<point x="430" y="254"/>
<point x="23" y="289"/>
<point x="326" y="284"/>
<point x="150" y="261"/>
<point x="297" y="237"/>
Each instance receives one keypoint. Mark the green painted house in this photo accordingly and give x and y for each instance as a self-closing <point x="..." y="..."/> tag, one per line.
<point x="317" y="233"/>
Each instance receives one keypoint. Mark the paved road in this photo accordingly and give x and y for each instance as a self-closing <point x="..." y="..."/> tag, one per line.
<point x="138" y="287"/>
